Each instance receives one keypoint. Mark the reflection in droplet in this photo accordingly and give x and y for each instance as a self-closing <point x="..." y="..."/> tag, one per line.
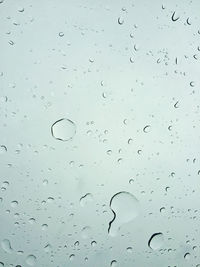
<point x="63" y="129"/>
<point x="156" y="241"/>
<point x="125" y="208"/>
<point x="6" y="246"/>
<point x="31" y="260"/>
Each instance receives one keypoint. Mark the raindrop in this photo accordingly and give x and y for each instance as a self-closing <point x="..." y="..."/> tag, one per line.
<point x="113" y="263"/>
<point x="156" y="241"/>
<point x="176" y="105"/>
<point x="93" y="243"/>
<point x="31" y="260"/>
<point x="3" y="149"/>
<point x="85" y="199"/>
<point x="31" y="220"/>
<point x="85" y="232"/>
<point x="61" y="34"/>
<point x="125" y="208"/>
<point x="44" y="227"/>
<point x="1" y="264"/>
<point x="187" y="256"/>
<point x="120" y="21"/>
<point x="14" y="204"/>
<point x="6" y="246"/>
<point x="71" y="257"/>
<point x="129" y="249"/>
<point x="175" y="17"/>
<point x="47" y="248"/>
<point x="188" y="21"/>
<point x="131" y="59"/>
<point x="63" y="129"/>
<point x="21" y="9"/>
<point x="147" y="128"/>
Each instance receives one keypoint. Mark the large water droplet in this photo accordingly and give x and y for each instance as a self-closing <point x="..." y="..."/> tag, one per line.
<point x="6" y="246"/>
<point x="125" y="208"/>
<point x="156" y="241"/>
<point x="175" y="17"/>
<point x="63" y="129"/>
<point x="31" y="260"/>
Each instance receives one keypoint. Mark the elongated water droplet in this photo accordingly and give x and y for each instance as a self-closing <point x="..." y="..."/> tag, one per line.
<point x="63" y="129"/>
<point x="175" y="17"/>
<point x="6" y="246"/>
<point x="120" y="21"/>
<point x="156" y="241"/>
<point x="125" y="208"/>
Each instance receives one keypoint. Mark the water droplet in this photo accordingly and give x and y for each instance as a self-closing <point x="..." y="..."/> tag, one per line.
<point x="6" y="246"/>
<point x="131" y="59"/>
<point x="85" y="232"/>
<point x="93" y="243"/>
<point x="31" y="220"/>
<point x="113" y="263"/>
<point x="31" y="260"/>
<point x="21" y="9"/>
<point x="44" y="227"/>
<point x="63" y="129"/>
<point x="156" y="241"/>
<point x="176" y="104"/>
<point x="3" y="149"/>
<point x="131" y="181"/>
<point x="45" y="182"/>
<point x="125" y="208"/>
<point x="71" y="257"/>
<point x="47" y="248"/>
<point x="14" y="204"/>
<point x="61" y="34"/>
<point x="175" y="17"/>
<point x="1" y="264"/>
<point x="187" y="256"/>
<point x="188" y="21"/>
<point x="129" y="249"/>
<point x="120" y="21"/>
<point x="147" y="129"/>
<point x="85" y="199"/>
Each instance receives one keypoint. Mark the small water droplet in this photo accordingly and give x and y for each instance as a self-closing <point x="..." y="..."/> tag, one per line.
<point x="125" y="208"/>
<point x="31" y="260"/>
<point x="147" y="129"/>
<point x="71" y="257"/>
<point x="63" y="129"/>
<point x="175" y="17"/>
<point x="113" y="263"/>
<point x="85" y="199"/>
<point x="187" y="256"/>
<point x="14" y="204"/>
<point x="44" y="227"/>
<point x="6" y="246"/>
<point x="93" y="243"/>
<point x="120" y="21"/>
<point x="47" y="248"/>
<point x="61" y="34"/>
<point x="156" y="241"/>
<point x="3" y="149"/>
<point x="85" y="232"/>
<point x="129" y="249"/>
